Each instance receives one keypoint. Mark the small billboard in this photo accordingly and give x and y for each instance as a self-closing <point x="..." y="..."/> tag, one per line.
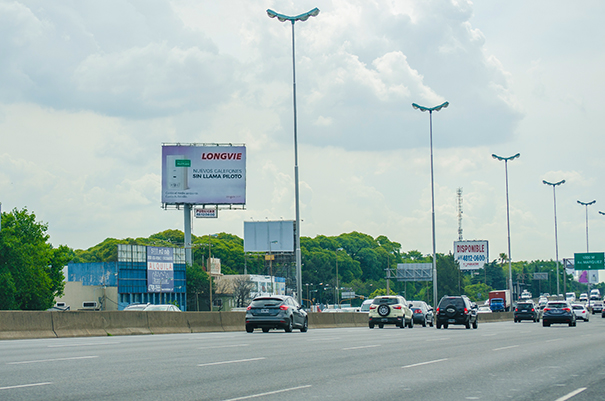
<point x="160" y="269"/>
<point x="203" y="174"/>
<point x="269" y="236"/>
<point x="471" y="255"/>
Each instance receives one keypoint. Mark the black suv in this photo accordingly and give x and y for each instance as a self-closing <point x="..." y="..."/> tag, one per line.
<point x="526" y="310"/>
<point x="456" y="310"/>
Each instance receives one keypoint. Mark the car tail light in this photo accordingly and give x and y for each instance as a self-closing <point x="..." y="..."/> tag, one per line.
<point x="283" y="307"/>
<point x="249" y="307"/>
<point x="417" y="310"/>
<point x="567" y="309"/>
<point x="516" y="309"/>
<point x="437" y="310"/>
<point x="465" y="311"/>
<point x="372" y="306"/>
<point x="397" y="307"/>
<point x="546" y="309"/>
<point x="532" y="309"/>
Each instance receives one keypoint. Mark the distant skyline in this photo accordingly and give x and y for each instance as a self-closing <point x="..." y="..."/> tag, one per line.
<point x="89" y="91"/>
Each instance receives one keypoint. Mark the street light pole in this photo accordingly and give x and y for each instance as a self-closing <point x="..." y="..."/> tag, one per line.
<point x="282" y="18"/>
<point x="586" y="205"/>
<point x="430" y="110"/>
<point x="510" y="269"/>
<point x="556" y="238"/>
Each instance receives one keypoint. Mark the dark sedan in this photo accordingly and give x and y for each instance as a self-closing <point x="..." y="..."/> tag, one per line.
<point x="558" y="312"/>
<point x="276" y="312"/>
<point x="423" y="314"/>
<point x="526" y="310"/>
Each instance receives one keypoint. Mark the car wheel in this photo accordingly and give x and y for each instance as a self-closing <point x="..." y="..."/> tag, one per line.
<point x="544" y="324"/>
<point x="570" y="324"/>
<point x="305" y="326"/>
<point x="249" y="328"/>
<point x="475" y="324"/>
<point x="265" y="329"/>
<point x="424" y="323"/>
<point x="445" y="325"/>
<point x="468" y="324"/>
<point x="402" y="325"/>
<point x="371" y="325"/>
<point x="411" y="324"/>
<point x="438" y="326"/>
<point x="380" y="325"/>
<point x="289" y="327"/>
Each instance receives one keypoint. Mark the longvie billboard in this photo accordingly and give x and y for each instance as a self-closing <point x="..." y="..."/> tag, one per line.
<point x="203" y="174"/>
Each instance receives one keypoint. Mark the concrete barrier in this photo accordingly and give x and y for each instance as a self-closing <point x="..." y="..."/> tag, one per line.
<point x="203" y="322"/>
<point x="233" y="321"/>
<point x="79" y="323"/>
<point x="495" y="317"/>
<point x="322" y="320"/>
<point x="119" y="323"/>
<point x="26" y="324"/>
<point x="162" y="322"/>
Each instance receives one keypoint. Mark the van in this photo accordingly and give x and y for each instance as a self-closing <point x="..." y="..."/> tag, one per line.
<point x="570" y="296"/>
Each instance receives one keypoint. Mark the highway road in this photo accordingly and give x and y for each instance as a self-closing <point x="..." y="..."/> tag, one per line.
<point x="498" y="361"/>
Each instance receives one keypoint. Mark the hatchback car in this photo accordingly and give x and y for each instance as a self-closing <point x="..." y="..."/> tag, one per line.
<point x="423" y="314"/>
<point x="456" y="310"/>
<point x="558" y="312"/>
<point x="580" y="311"/>
<point x="276" y="312"/>
<point x="526" y="311"/>
<point x="390" y="309"/>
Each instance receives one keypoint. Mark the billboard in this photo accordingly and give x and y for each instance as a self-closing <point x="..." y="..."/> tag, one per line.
<point x="471" y="255"/>
<point x="203" y="175"/>
<point x="414" y="272"/>
<point x="160" y="269"/>
<point x="269" y="236"/>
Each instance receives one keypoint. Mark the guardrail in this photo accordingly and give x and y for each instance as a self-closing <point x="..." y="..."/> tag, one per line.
<point x="37" y="324"/>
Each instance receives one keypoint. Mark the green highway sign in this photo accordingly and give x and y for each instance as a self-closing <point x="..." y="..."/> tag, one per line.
<point x="589" y="261"/>
<point x="182" y="163"/>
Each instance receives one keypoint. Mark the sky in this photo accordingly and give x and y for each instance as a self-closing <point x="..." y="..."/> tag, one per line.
<point x="89" y="92"/>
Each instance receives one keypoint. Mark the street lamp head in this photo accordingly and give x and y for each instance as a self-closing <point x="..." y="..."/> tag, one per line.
<point x="430" y="109"/>
<point x="587" y="204"/>
<point x="601" y="213"/>
<point x="553" y="184"/>
<point x="505" y="158"/>
<point x="301" y="17"/>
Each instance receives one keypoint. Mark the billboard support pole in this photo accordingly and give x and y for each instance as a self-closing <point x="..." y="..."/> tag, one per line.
<point x="187" y="215"/>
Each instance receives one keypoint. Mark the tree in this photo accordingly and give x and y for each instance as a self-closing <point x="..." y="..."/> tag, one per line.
<point x="198" y="286"/>
<point x="30" y="268"/>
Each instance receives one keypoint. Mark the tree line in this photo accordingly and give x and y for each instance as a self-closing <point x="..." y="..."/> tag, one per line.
<point x="31" y="268"/>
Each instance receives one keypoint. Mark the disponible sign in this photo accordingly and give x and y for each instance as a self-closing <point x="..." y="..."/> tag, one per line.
<point x="210" y="175"/>
<point x="160" y="269"/>
<point x="471" y="255"/>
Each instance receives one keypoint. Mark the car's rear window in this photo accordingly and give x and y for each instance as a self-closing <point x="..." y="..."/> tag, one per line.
<point x="557" y="305"/>
<point x="524" y="305"/>
<point x="457" y="302"/>
<point x="264" y="302"/>
<point x="386" y="301"/>
<point x="578" y="307"/>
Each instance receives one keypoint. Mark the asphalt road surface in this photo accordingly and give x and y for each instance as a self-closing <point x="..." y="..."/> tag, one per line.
<point x="498" y="361"/>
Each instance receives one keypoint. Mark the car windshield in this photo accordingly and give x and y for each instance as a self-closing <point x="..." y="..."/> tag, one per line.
<point x="365" y="306"/>
<point x="266" y="302"/>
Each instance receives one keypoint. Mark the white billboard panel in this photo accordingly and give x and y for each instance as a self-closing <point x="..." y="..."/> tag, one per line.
<point x="204" y="175"/>
<point x="471" y="255"/>
<point x="269" y="236"/>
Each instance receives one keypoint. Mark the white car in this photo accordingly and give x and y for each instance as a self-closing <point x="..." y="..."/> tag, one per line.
<point x="365" y="306"/>
<point x="583" y="297"/>
<point x="581" y="312"/>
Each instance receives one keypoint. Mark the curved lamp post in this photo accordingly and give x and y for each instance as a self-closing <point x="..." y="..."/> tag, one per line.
<point x="510" y="269"/>
<point x="556" y="239"/>
<point x="586" y="205"/>
<point x="430" y="110"/>
<point x="283" y="18"/>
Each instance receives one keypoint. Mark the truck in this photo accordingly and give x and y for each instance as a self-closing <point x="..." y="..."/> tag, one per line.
<point x="500" y="300"/>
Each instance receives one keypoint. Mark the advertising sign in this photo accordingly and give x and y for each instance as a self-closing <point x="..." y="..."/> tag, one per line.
<point x="589" y="261"/>
<point x="160" y="269"/>
<point x="206" y="213"/>
<point x="471" y="255"/>
<point x="203" y="175"/>
<point x="269" y="236"/>
<point x="414" y="272"/>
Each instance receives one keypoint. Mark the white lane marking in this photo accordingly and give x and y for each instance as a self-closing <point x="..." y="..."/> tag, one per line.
<point x="489" y="335"/>
<point x="572" y="394"/>
<point x="554" y="339"/>
<point x="235" y="361"/>
<point x="247" y="397"/>
<point x="25" y="385"/>
<point x="424" y="363"/>
<point x="324" y="339"/>
<point x="361" y="347"/>
<point x="53" y="360"/>
<point x="509" y="347"/>
<point x="79" y="345"/>
<point x="438" y="339"/>
<point x="226" y="346"/>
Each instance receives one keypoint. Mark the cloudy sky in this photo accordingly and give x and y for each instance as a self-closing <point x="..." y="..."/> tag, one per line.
<point x="90" y="90"/>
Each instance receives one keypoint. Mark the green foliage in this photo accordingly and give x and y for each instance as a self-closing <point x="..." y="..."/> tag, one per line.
<point x="477" y="292"/>
<point x="30" y="268"/>
<point x="381" y="291"/>
<point x="198" y="288"/>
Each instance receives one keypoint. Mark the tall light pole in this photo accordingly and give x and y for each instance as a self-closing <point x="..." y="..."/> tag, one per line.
<point x="283" y="18"/>
<point x="510" y="268"/>
<point x="556" y="238"/>
<point x="586" y="205"/>
<point x="430" y="110"/>
<point x="337" y="292"/>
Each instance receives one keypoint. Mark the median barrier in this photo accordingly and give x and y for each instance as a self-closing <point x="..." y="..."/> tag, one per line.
<point x="495" y="317"/>
<point x="26" y="324"/>
<point x="204" y="322"/>
<point x="119" y="323"/>
<point x="233" y="321"/>
<point x="78" y="323"/>
<point x="321" y="320"/>
<point x="163" y="322"/>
